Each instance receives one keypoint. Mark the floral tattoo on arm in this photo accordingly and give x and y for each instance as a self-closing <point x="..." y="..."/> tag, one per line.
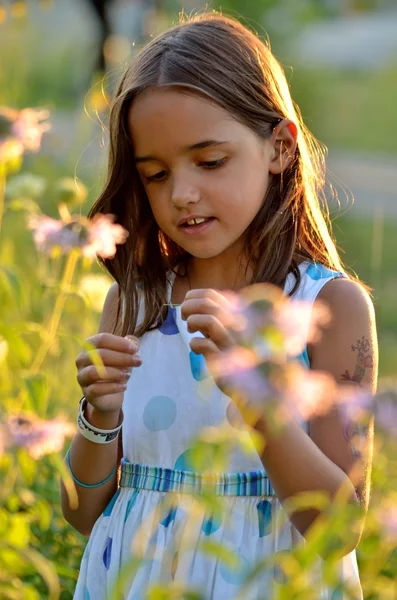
<point x="355" y="432"/>
<point x="364" y="361"/>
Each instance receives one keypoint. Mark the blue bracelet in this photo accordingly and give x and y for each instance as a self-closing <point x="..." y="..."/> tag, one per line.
<point x="88" y="485"/>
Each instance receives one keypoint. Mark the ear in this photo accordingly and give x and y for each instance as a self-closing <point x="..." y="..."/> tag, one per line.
<point x="283" y="140"/>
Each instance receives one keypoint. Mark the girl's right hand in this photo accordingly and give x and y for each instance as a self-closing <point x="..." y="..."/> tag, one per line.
<point x="105" y="390"/>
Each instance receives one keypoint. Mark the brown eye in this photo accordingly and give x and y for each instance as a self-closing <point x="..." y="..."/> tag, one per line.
<point x="213" y="164"/>
<point x="156" y="177"/>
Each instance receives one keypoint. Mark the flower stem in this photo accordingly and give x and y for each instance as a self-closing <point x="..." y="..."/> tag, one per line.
<point x="54" y="321"/>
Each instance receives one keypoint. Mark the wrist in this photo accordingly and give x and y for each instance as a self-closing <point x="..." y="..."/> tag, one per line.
<point x="102" y="419"/>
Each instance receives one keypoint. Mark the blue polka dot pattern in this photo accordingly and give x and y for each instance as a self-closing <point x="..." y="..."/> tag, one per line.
<point x="317" y="271"/>
<point x="264" y="509"/>
<point x="210" y="526"/>
<point x="198" y="366"/>
<point x="169" y="327"/>
<point x="108" y="510"/>
<point x="107" y="554"/>
<point x="131" y="504"/>
<point x="184" y="462"/>
<point x="159" y="413"/>
<point x="170" y="517"/>
<point x="237" y="574"/>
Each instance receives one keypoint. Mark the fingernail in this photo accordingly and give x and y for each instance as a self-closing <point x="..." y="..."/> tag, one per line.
<point x="127" y="370"/>
<point x="132" y="342"/>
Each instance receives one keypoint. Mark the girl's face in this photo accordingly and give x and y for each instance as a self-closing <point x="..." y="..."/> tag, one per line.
<point x="197" y="162"/>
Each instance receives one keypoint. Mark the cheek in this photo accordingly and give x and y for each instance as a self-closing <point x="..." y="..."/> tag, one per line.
<point x="248" y="192"/>
<point x="159" y="206"/>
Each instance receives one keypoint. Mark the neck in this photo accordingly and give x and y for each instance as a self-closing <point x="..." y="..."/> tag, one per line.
<point x="218" y="274"/>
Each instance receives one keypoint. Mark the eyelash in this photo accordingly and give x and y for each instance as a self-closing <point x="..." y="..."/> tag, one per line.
<point x="211" y="164"/>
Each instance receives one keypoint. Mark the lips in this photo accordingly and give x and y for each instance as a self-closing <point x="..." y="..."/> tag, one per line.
<point x="197" y="229"/>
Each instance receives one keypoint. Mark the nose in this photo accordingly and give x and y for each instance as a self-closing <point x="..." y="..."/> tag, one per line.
<point x="184" y="192"/>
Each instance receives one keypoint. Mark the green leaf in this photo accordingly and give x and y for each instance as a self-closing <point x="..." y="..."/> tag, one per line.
<point x="18" y="534"/>
<point x="46" y="570"/>
<point x="15" y="286"/>
<point x="18" y="348"/>
<point x="27" y="466"/>
<point x="38" y="392"/>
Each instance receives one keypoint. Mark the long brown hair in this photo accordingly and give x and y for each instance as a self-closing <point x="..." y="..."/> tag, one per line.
<point x="216" y="56"/>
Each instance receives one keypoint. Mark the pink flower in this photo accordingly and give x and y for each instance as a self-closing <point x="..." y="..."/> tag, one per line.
<point x="26" y="126"/>
<point x="299" y="323"/>
<point x="104" y="235"/>
<point x="355" y="403"/>
<point x="37" y="436"/>
<point x="238" y="371"/>
<point x="385" y="410"/>
<point x="95" y="237"/>
<point x="307" y="394"/>
<point x="273" y="326"/>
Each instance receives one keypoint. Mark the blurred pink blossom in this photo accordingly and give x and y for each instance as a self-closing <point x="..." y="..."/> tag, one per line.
<point x="104" y="234"/>
<point x="306" y="393"/>
<point x="26" y="127"/>
<point x="37" y="436"/>
<point x="355" y="402"/>
<point x="94" y="237"/>
<point x="274" y="326"/>
<point x="385" y="411"/>
<point x="238" y="370"/>
<point x="299" y="323"/>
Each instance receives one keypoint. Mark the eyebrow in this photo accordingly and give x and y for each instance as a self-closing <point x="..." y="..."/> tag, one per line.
<point x="198" y="146"/>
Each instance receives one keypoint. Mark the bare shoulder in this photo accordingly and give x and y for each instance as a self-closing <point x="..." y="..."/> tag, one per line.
<point x="345" y="296"/>
<point x="108" y="320"/>
<point x="348" y="347"/>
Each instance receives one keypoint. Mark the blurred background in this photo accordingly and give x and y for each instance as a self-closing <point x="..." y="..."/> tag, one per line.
<point x="340" y="57"/>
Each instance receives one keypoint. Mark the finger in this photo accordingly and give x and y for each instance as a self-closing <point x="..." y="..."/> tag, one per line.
<point x="91" y="374"/>
<point x="204" y="346"/>
<point x="211" y="328"/>
<point x="114" y="342"/>
<point x="207" y="306"/>
<point x="99" y="389"/>
<point x="209" y="293"/>
<point x="110" y="358"/>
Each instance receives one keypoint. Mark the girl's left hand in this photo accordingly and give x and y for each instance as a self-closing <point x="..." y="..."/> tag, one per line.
<point x="211" y="313"/>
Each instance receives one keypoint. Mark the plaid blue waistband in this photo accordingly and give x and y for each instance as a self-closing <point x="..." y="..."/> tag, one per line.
<point x="160" y="479"/>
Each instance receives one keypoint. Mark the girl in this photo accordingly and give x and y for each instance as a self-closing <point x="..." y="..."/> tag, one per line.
<point x="217" y="180"/>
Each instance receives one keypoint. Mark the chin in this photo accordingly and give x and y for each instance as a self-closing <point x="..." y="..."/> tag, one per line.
<point x="204" y="253"/>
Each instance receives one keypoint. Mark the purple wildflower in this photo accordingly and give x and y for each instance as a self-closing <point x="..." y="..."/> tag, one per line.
<point x="385" y="410"/>
<point x="306" y="394"/>
<point x="94" y="237"/>
<point x="37" y="436"/>
<point x="355" y="403"/>
<point x="25" y="126"/>
<point x="274" y="326"/>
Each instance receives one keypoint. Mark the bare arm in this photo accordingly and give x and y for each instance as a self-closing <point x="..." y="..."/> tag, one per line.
<point x="326" y="460"/>
<point x="93" y="462"/>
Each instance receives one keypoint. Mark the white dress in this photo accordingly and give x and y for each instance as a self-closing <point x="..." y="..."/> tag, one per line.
<point x="169" y="400"/>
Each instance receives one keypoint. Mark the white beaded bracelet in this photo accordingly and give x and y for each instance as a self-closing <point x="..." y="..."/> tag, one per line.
<point x="98" y="436"/>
